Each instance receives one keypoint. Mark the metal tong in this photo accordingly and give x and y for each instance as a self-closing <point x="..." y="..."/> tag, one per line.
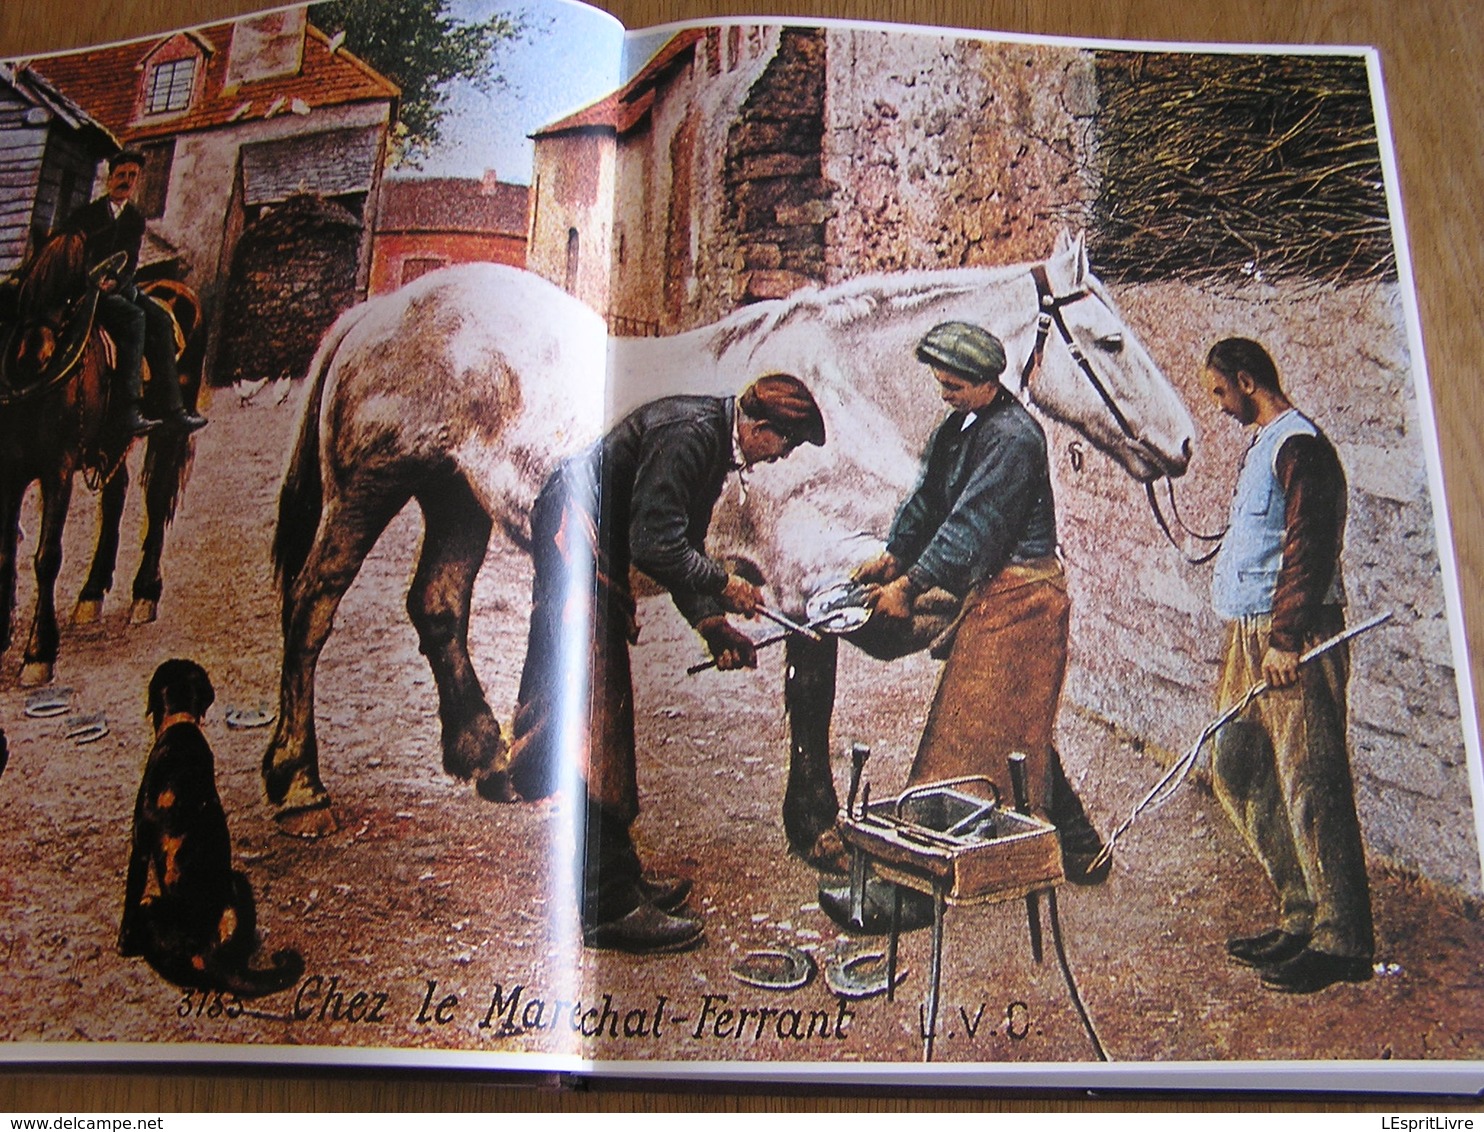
<point x="789" y="623"/>
<point x="859" y="753"/>
<point x="830" y="621"/>
<point x="790" y="628"/>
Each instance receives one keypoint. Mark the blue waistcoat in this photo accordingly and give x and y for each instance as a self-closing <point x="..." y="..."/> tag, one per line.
<point x="1252" y="553"/>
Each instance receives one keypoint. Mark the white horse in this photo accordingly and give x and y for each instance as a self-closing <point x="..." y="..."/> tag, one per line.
<point x="464" y="389"/>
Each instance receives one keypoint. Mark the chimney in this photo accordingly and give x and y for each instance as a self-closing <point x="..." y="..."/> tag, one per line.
<point x="489" y="184"/>
<point x="269" y="46"/>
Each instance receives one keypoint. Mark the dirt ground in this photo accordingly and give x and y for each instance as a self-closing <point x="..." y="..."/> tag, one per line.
<point x="449" y="916"/>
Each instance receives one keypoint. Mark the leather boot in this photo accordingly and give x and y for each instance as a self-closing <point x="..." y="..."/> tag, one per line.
<point x="1266" y="950"/>
<point x="1080" y="842"/>
<point x="666" y="893"/>
<point x="135" y="423"/>
<point x="619" y="907"/>
<point x="644" y="931"/>
<point x="183" y="422"/>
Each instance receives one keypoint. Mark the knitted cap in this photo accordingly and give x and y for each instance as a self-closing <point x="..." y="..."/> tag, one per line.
<point x="784" y="402"/>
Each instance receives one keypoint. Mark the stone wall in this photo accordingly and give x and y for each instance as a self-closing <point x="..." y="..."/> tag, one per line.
<point x="572" y="214"/>
<point x="204" y="174"/>
<point x="675" y="251"/>
<point x="293" y="274"/>
<point x="951" y="152"/>
<point x="1145" y="644"/>
<point x="813" y="155"/>
<point x="778" y="199"/>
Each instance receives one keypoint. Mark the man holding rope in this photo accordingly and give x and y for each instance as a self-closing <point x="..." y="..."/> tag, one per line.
<point x="1281" y="769"/>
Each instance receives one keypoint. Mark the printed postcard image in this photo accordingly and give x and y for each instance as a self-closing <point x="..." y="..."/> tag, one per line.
<point x="766" y="549"/>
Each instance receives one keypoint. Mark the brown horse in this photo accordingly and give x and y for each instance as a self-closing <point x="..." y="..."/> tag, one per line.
<point x="54" y="422"/>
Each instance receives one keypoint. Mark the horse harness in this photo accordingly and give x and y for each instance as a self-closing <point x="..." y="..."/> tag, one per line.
<point x="1050" y="314"/>
<point x="74" y="327"/>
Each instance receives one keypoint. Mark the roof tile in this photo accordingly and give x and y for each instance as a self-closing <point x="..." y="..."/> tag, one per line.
<point x="620" y="110"/>
<point x="105" y="82"/>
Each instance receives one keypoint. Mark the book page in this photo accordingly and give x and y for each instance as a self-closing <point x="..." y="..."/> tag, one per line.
<point x="735" y="203"/>
<point x="321" y="857"/>
<point x="906" y="221"/>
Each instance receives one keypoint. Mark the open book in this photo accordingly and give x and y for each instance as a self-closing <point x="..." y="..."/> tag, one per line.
<point x="759" y="549"/>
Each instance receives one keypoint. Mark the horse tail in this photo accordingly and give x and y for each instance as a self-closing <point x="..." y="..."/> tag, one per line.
<point x="167" y="465"/>
<point x="301" y="498"/>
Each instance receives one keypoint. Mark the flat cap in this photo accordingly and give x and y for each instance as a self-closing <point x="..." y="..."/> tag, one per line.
<point x="784" y="402"/>
<point x="964" y="348"/>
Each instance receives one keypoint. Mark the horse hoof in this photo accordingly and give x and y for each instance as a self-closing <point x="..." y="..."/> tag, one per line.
<point x="497" y="788"/>
<point x="144" y="611"/>
<point x="828" y="853"/>
<point x="87" y="611"/>
<point x="308" y="822"/>
<point x="35" y="674"/>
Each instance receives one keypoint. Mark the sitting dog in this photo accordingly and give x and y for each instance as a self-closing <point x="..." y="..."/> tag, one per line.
<point x="198" y="928"/>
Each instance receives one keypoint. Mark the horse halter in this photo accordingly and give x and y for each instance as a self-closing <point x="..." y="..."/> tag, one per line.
<point x="1050" y="306"/>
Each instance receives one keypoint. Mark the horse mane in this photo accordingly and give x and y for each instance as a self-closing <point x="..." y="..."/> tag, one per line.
<point x="54" y="276"/>
<point x="865" y="297"/>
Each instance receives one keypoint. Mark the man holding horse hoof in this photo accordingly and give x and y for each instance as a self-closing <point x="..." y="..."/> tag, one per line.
<point x="642" y="496"/>
<point x="112" y="229"/>
<point x="981" y="525"/>
<point x="1281" y="769"/>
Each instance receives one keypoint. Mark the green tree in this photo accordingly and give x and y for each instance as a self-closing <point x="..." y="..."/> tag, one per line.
<point x="421" y="47"/>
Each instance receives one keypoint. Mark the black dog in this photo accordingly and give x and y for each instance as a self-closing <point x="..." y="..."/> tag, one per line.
<point x="200" y="928"/>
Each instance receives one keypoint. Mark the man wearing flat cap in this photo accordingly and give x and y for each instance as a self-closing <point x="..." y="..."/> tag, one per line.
<point x="642" y="496"/>
<point x="981" y="525"/>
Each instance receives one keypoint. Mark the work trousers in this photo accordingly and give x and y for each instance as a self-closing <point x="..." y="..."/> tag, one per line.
<point x="574" y="719"/>
<point x="142" y="329"/>
<point x="1282" y="773"/>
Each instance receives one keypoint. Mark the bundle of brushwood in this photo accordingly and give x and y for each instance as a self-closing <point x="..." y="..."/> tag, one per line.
<point x="1229" y="166"/>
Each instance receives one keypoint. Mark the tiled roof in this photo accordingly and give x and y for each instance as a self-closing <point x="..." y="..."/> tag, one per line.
<point x="620" y="110"/>
<point x="604" y="114"/>
<point x="452" y="204"/>
<point x="105" y="82"/>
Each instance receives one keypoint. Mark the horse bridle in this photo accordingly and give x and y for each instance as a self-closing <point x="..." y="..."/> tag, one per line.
<point x="1049" y="306"/>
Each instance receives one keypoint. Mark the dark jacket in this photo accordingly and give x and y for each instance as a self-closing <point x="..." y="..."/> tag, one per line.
<point x="651" y="484"/>
<point x="104" y="235"/>
<point x="984" y="500"/>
